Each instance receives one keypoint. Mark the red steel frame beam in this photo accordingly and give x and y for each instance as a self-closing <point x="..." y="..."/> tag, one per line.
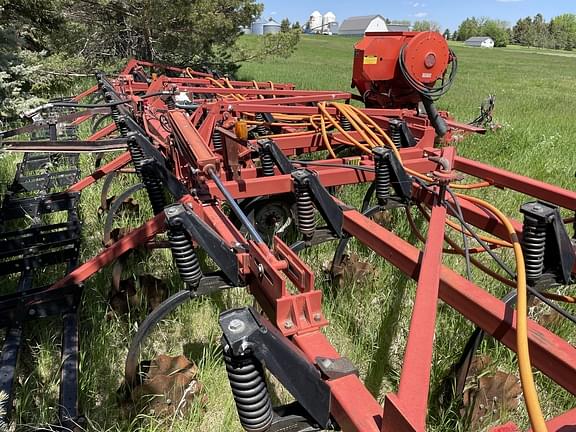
<point x="550" y="353"/>
<point x="526" y="185"/>
<point x="416" y="369"/>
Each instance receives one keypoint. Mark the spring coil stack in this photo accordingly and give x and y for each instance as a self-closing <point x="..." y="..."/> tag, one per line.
<point x="534" y="246"/>
<point x="153" y="184"/>
<point x="217" y="141"/>
<point x="345" y="123"/>
<point x="261" y="130"/>
<point x="395" y="130"/>
<point x="184" y="256"/>
<point x="182" y="248"/>
<point x="266" y="162"/>
<point x="248" y="385"/>
<point x="382" y="178"/>
<point x="304" y="209"/>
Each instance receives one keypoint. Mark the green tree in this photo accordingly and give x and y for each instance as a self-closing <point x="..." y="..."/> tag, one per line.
<point x="172" y="31"/>
<point x="23" y="28"/>
<point x="285" y="25"/>
<point x="563" y="31"/>
<point x="521" y="32"/>
<point x="470" y="27"/>
<point x="420" y="26"/>
<point x="497" y="30"/>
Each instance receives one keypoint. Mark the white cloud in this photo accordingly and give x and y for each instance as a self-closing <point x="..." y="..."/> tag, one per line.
<point x="415" y="4"/>
<point x="421" y="14"/>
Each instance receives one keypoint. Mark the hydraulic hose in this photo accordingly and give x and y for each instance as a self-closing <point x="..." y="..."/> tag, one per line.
<point x="437" y="122"/>
<point x="524" y="365"/>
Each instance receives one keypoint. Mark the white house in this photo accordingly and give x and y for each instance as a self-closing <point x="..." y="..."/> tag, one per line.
<point x="357" y="26"/>
<point x="482" y="42"/>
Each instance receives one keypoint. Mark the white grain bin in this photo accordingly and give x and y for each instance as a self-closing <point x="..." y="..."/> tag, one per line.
<point x="258" y="26"/>
<point x="315" y="22"/>
<point x="271" y="27"/>
<point x="327" y="19"/>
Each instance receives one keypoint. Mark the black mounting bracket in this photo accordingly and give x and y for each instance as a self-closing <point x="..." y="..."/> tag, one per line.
<point x="559" y="255"/>
<point x="155" y="164"/>
<point x="406" y="137"/>
<point x="401" y="182"/>
<point x="245" y="329"/>
<point x="330" y="211"/>
<point x="282" y="162"/>
<point x="225" y="258"/>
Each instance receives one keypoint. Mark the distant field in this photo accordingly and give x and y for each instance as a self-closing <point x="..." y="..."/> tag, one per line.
<point x="536" y="106"/>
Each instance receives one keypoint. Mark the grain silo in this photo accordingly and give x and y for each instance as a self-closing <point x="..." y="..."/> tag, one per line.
<point x="258" y="26"/>
<point x="327" y="21"/>
<point x="271" y="27"/>
<point x="315" y="22"/>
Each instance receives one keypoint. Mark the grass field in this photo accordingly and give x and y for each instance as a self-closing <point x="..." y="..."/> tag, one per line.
<point x="369" y="318"/>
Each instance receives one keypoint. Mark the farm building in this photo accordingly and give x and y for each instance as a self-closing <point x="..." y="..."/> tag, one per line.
<point x="392" y="27"/>
<point x="271" y="27"/>
<point x="357" y="26"/>
<point x="258" y="26"/>
<point x="481" y="41"/>
<point x="322" y="24"/>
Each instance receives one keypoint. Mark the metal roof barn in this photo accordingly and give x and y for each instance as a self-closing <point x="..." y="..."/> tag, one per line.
<point x="480" y="41"/>
<point x="362" y="24"/>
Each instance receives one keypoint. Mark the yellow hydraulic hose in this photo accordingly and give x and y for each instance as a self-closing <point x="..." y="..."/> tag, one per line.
<point x="526" y="377"/>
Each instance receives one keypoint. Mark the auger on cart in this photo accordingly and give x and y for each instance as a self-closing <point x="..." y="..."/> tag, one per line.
<point x="273" y="155"/>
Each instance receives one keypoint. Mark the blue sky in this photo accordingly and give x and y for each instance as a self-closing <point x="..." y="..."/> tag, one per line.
<point x="448" y="13"/>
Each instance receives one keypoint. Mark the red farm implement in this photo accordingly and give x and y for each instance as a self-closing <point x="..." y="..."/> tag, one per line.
<point x="274" y="155"/>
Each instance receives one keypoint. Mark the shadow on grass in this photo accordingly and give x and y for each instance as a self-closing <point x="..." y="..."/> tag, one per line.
<point x="380" y="365"/>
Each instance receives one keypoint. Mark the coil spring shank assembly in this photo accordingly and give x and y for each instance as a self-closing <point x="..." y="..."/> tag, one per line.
<point x="248" y="385"/>
<point x="382" y="180"/>
<point x="183" y="250"/>
<point x="547" y="248"/>
<point x="304" y="204"/>
<point x="266" y="161"/>
<point x="217" y="140"/>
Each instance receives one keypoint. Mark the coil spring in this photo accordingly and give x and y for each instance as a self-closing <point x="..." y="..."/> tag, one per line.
<point x="396" y="132"/>
<point x="217" y="141"/>
<point x="248" y="386"/>
<point x="153" y="185"/>
<point x="261" y="129"/>
<point x="120" y="125"/>
<point x="345" y="123"/>
<point x="136" y="154"/>
<point x="184" y="256"/>
<point x="382" y="178"/>
<point x="305" y="210"/>
<point x="155" y="192"/>
<point x="534" y="245"/>
<point x="267" y="162"/>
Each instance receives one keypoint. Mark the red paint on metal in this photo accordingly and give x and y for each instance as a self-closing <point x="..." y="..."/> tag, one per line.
<point x="417" y="365"/>
<point x="551" y="354"/>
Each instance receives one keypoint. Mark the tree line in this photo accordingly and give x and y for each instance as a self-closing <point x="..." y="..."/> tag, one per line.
<point x="41" y="42"/>
<point x="559" y="33"/>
